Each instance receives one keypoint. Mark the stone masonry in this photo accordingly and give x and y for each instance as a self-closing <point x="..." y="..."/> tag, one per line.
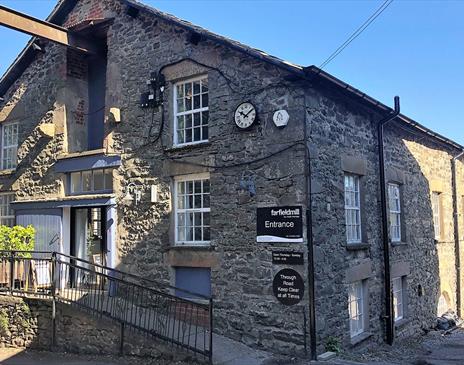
<point x="340" y="132"/>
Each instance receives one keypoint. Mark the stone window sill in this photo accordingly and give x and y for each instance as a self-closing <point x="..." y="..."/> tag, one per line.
<point x="360" y="338"/>
<point x="192" y="247"/>
<point x="401" y="243"/>
<point x="7" y="172"/>
<point x="402" y="322"/>
<point x="187" y="147"/>
<point x="357" y="246"/>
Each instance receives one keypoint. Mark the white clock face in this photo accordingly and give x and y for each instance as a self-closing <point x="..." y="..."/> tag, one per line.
<point x="245" y="115"/>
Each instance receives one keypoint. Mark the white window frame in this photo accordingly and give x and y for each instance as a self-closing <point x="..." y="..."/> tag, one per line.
<point x="5" y="205"/>
<point x="190" y="112"/>
<point x="398" y="298"/>
<point x="437" y="214"/>
<point x="12" y="147"/>
<point x="356" y="310"/>
<point x="394" y="195"/>
<point x="353" y="209"/>
<point x="177" y="210"/>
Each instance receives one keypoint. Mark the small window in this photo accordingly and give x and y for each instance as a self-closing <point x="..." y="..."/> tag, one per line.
<point x="192" y="210"/>
<point x="191" y="111"/>
<point x="437" y="214"/>
<point x="398" y="298"/>
<point x="395" y="212"/>
<point x="91" y="181"/>
<point x="353" y="208"/>
<point x="9" y="148"/>
<point x="7" y="217"/>
<point x="356" y="308"/>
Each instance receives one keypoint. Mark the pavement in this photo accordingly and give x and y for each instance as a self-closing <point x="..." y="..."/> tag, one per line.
<point x="436" y="348"/>
<point x="27" y="357"/>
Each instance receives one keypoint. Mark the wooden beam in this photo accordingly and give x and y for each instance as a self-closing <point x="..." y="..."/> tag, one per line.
<point x="40" y="28"/>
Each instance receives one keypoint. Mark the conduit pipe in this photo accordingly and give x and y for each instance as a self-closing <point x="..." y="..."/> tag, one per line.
<point x="385" y="237"/>
<point x="457" y="248"/>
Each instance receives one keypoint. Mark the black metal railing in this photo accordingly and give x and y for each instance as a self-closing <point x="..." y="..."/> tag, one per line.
<point x="174" y="315"/>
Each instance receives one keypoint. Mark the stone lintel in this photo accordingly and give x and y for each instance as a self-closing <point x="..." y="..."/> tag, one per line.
<point x="399" y="269"/>
<point x="191" y="257"/>
<point x="354" y="164"/>
<point x="359" y="272"/>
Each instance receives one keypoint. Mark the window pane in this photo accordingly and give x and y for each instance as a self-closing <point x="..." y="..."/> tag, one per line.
<point x="355" y="308"/>
<point x="196" y="102"/>
<point x="76" y="182"/>
<point x="109" y="179"/>
<point x="204" y="101"/>
<point x="98" y="180"/>
<point x="86" y="180"/>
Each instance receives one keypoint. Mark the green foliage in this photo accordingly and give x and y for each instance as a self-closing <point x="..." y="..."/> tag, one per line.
<point x="25" y="309"/>
<point x="333" y="345"/>
<point x="4" y="323"/>
<point x="17" y="238"/>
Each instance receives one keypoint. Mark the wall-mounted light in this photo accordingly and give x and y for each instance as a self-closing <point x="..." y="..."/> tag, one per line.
<point x="133" y="193"/>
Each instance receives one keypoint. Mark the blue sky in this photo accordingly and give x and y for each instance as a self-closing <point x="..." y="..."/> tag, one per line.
<point x="415" y="49"/>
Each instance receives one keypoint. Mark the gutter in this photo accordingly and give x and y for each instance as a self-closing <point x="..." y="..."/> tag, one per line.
<point x="385" y="237"/>
<point x="457" y="244"/>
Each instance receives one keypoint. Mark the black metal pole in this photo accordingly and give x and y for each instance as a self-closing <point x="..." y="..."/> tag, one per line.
<point x="121" y="339"/>
<point x="385" y="238"/>
<point x="211" y="330"/>
<point x="457" y="248"/>
<point x="53" y="274"/>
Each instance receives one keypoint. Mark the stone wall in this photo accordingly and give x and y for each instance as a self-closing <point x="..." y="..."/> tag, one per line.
<point x="343" y="139"/>
<point x="341" y="136"/>
<point x="26" y="323"/>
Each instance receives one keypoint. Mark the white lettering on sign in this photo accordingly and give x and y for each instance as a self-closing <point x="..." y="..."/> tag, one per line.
<point x="269" y="224"/>
<point x="280" y="212"/>
<point x="286" y="277"/>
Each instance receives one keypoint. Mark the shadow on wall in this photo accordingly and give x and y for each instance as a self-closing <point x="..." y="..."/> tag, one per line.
<point x="414" y="260"/>
<point x="27" y="323"/>
<point x="37" y="142"/>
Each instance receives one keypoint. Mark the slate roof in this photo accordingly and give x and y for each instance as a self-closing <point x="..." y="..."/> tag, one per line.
<point x="311" y="72"/>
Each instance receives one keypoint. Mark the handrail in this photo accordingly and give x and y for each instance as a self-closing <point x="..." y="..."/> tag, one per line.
<point x="125" y="282"/>
<point x="184" y="322"/>
<point x="126" y="274"/>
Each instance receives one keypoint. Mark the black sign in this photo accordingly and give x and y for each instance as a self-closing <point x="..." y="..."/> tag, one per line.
<point x="288" y="287"/>
<point x="287" y="258"/>
<point x="279" y="224"/>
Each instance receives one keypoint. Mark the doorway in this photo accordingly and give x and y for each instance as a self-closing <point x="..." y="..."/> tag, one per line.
<point x="88" y="236"/>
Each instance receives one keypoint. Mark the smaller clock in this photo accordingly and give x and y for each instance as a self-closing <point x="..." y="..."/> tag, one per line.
<point x="245" y="115"/>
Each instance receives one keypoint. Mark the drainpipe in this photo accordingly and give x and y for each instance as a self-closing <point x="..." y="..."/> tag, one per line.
<point x="457" y="248"/>
<point x="385" y="238"/>
<point x="310" y="243"/>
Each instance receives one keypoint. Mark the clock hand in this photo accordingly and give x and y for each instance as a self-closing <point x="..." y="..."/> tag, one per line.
<point x="246" y="115"/>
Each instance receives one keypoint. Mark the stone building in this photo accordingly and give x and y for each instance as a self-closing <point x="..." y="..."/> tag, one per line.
<point x="168" y="187"/>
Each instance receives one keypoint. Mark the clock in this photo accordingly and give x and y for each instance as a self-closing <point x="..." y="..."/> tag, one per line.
<point x="245" y="115"/>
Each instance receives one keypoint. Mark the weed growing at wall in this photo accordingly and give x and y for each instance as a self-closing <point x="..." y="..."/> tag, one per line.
<point x="4" y="323"/>
<point x="333" y="344"/>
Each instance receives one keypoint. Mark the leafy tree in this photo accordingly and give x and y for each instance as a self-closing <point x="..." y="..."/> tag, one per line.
<point x="17" y="238"/>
